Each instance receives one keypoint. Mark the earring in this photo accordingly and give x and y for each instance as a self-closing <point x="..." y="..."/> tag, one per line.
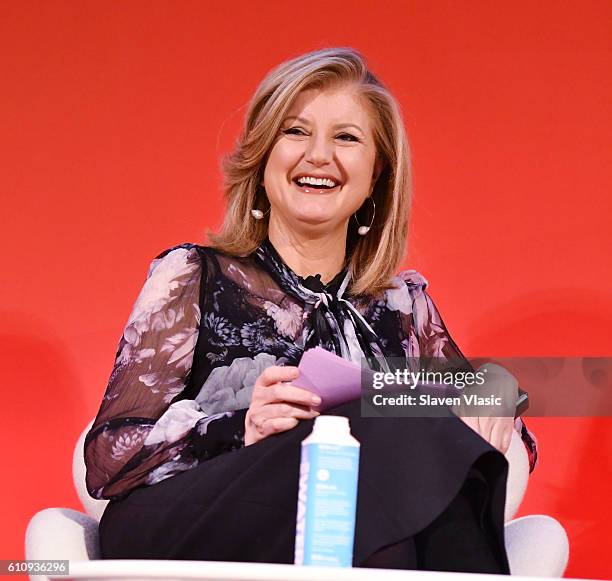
<point x="363" y="230"/>
<point x="258" y="214"/>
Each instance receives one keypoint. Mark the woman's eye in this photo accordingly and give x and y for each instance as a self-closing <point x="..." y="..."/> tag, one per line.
<point x="293" y="131"/>
<point x="298" y="131"/>
<point x="350" y="137"/>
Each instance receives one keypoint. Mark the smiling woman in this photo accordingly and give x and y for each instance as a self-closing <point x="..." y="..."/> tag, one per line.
<point x="317" y="174"/>
<point x="197" y="440"/>
<point x="322" y="115"/>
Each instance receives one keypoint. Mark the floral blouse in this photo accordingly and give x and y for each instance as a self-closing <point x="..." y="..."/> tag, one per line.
<point x="203" y="328"/>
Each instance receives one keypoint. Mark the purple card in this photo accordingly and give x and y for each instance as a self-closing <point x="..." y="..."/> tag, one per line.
<point x="334" y="379"/>
<point x="337" y="380"/>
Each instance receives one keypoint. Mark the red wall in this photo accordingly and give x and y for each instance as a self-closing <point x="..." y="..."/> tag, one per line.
<point x="113" y="116"/>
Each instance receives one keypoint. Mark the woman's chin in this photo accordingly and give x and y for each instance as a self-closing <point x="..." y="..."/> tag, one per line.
<point x="313" y="220"/>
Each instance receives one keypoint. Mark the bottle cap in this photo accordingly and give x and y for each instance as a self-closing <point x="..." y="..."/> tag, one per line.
<point x="337" y="424"/>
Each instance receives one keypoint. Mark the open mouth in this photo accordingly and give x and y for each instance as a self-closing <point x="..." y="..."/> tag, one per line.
<point x="321" y="185"/>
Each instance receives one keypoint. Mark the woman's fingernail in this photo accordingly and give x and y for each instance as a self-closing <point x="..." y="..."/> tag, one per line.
<point x="316" y="399"/>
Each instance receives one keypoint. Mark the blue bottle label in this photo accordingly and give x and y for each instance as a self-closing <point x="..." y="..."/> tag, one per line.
<point x="327" y="499"/>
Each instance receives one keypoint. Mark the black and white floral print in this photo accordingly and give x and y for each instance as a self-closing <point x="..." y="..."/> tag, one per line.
<point x="204" y="327"/>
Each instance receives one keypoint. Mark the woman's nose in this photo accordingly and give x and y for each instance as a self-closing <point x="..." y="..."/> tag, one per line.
<point x="319" y="150"/>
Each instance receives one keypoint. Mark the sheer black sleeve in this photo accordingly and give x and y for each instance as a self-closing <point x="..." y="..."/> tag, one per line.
<point x="435" y="341"/>
<point x="139" y="437"/>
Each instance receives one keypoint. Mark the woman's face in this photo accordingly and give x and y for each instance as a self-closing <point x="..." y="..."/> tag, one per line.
<point x="326" y="134"/>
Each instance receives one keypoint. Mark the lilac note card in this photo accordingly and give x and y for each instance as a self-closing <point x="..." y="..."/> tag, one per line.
<point x="334" y="379"/>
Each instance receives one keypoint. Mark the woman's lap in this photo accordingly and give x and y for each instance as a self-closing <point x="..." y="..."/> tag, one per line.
<point x="241" y="506"/>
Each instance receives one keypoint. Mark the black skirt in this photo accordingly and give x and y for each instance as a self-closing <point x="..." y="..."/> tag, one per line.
<point x="431" y="495"/>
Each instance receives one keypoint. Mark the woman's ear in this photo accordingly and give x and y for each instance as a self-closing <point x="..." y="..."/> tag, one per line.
<point x="378" y="165"/>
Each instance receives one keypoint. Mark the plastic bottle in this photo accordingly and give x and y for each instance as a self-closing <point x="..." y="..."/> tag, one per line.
<point x="327" y="495"/>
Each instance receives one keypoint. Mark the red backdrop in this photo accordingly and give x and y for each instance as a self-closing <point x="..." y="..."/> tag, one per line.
<point x="114" y="115"/>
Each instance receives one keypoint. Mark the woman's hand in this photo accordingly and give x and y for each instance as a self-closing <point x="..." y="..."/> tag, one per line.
<point x="277" y="406"/>
<point x="494" y="429"/>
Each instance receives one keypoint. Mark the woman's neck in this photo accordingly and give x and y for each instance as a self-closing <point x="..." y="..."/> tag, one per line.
<point x="308" y="256"/>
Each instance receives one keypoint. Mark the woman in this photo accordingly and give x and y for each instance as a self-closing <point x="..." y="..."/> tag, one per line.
<point x="197" y="440"/>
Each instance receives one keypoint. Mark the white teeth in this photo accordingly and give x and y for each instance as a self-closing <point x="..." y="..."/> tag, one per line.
<point x="316" y="181"/>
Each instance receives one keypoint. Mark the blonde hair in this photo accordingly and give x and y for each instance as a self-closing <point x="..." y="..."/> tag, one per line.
<point x="372" y="259"/>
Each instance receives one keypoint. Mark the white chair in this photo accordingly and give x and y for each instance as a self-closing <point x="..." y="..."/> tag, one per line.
<point x="537" y="545"/>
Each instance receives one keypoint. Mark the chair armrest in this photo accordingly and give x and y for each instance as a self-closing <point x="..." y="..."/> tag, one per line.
<point x="62" y="533"/>
<point x="537" y="546"/>
<point x="518" y="475"/>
